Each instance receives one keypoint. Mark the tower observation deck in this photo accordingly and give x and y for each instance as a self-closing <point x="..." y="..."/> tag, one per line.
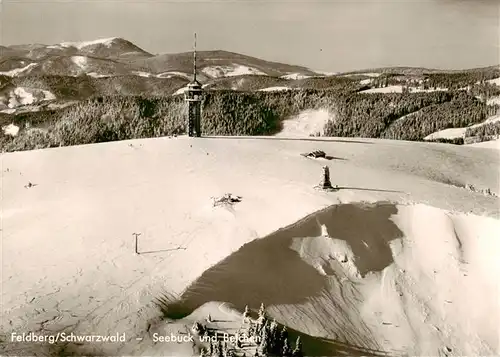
<point x="193" y="97"/>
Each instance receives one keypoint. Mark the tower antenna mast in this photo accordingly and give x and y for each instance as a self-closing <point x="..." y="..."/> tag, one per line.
<point x="194" y="58"/>
<point x="193" y="98"/>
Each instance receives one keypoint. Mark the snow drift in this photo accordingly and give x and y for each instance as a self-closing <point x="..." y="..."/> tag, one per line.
<point x="362" y="277"/>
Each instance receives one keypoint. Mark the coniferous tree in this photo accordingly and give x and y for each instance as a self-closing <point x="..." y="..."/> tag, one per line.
<point x="286" y="350"/>
<point x="262" y="311"/>
<point x="264" y="342"/>
<point x="297" y="351"/>
<point x="284" y="334"/>
<point x="262" y="330"/>
<point x="262" y="319"/>
<point x="246" y="314"/>
<point x="251" y="331"/>
<point x="274" y="336"/>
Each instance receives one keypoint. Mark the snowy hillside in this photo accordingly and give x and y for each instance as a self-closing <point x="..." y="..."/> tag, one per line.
<point x="307" y="123"/>
<point x="113" y="47"/>
<point x="230" y="71"/>
<point x="295" y="76"/>
<point x="274" y="89"/>
<point x="21" y="70"/>
<point x="13" y="98"/>
<point x="108" y="42"/>
<point x="453" y="133"/>
<point x="494" y="81"/>
<point x="492" y="144"/>
<point x="10" y="129"/>
<point x="218" y="63"/>
<point x="398" y="89"/>
<point x="400" y="260"/>
<point x="107" y="57"/>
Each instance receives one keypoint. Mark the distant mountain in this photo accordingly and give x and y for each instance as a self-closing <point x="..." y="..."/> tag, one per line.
<point x="109" y="48"/>
<point x="36" y="76"/>
<point x="116" y="56"/>
<point x="216" y="64"/>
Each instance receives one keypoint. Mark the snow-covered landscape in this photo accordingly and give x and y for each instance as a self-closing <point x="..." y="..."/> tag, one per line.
<point x="250" y="179"/>
<point x="124" y="239"/>
<point x="393" y="262"/>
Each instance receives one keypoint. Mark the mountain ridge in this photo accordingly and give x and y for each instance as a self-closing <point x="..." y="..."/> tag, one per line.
<point x="120" y="49"/>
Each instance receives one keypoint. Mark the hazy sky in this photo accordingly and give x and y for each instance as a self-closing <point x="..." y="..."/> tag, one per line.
<point x="328" y="35"/>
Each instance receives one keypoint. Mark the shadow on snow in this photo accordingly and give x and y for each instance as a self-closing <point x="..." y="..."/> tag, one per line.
<point x="268" y="271"/>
